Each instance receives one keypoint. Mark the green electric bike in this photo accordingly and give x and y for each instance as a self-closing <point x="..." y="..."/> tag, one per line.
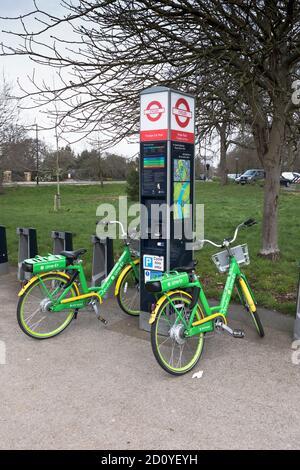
<point x="58" y="290"/>
<point x="182" y="315"/>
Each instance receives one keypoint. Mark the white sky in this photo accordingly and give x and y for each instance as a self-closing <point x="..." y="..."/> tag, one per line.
<point x="20" y="67"/>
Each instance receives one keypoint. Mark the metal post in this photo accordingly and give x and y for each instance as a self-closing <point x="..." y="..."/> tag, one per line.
<point x="103" y="259"/>
<point x="297" y="321"/>
<point x="3" y="252"/>
<point x="236" y="167"/>
<point x="57" y="198"/>
<point x="37" y="154"/>
<point x="62" y="241"/>
<point x="27" y="249"/>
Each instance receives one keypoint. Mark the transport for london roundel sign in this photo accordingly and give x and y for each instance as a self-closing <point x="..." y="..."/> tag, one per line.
<point x="154" y="111"/>
<point x="182" y="112"/>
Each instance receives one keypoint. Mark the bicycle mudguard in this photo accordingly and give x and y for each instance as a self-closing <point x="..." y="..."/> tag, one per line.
<point x="33" y="279"/>
<point x="248" y="294"/>
<point x="123" y="274"/>
<point x="161" y="300"/>
<point x="249" y="288"/>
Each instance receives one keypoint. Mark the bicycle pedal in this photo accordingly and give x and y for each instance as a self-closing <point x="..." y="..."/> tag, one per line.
<point x="234" y="333"/>
<point x="238" y="334"/>
<point x="105" y="322"/>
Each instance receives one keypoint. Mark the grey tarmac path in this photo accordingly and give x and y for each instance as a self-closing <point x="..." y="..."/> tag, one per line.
<point x="97" y="387"/>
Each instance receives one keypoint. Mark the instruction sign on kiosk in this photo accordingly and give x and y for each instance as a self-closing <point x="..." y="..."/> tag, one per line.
<point x="167" y="148"/>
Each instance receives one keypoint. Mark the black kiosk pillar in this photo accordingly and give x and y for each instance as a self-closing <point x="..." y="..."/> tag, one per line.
<point x="166" y="185"/>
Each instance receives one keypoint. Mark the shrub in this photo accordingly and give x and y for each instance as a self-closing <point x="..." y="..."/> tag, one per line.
<point x="133" y="184"/>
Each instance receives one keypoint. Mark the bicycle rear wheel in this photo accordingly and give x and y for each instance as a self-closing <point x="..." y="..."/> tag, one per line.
<point x="33" y="313"/>
<point x="174" y="352"/>
<point x="129" y="292"/>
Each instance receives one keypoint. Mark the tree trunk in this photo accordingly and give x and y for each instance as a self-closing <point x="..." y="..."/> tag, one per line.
<point x="272" y="166"/>
<point x="270" y="247"/>
<point x="269" y="143"/>
<point x="1" y="182"/>
<point x="223" y="154"/>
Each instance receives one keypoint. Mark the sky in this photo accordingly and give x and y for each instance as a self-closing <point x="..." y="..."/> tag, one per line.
<point x="18" y="68"/>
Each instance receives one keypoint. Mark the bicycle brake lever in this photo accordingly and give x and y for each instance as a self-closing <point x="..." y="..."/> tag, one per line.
<point x="250" y="222"/>
<point x="101" y="222"/>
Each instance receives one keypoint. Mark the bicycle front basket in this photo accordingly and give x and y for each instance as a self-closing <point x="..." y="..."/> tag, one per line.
<point x="134" y="239"/>
<point x="240" y="252"/>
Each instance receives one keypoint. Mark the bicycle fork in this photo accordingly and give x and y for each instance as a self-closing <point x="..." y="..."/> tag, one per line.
<point x="242" y="287"/>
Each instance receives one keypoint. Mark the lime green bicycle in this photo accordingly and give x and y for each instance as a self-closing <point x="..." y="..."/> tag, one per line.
<point x="58" y="290"/>
<point x="182" y="316"/>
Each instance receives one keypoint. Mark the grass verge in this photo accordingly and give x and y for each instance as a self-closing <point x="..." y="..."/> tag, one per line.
<point x="274" y="284"/>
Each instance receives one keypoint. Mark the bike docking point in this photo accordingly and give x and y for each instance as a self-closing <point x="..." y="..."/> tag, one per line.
<point x="167" y="150"/>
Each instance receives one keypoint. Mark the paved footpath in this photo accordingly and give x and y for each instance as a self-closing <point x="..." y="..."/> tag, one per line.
<point x="97" y="387"/>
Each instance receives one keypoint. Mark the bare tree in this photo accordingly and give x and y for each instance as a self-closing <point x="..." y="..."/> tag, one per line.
<point x="116" y="48"/>
<point x="10" y="130"/>
<point x="8" y="112"/>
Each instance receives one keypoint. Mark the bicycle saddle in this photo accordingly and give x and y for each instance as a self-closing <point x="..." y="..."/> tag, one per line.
<point x="73" y="254"/>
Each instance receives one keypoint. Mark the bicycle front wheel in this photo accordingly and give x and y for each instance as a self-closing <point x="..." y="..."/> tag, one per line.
<point x="33" y="313"/>
<point x="257" y="323"/>
<point x="129" y="291"/>
<point x="176" y="353"/>
<point x="250" y="306"/>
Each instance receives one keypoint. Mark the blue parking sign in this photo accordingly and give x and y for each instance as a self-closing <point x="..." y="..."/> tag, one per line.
<point x="156" y="263"/>
<point x="148" y="262"/>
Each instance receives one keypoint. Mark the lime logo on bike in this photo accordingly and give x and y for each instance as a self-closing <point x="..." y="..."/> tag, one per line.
<point x="46" y="263"/>
<point x="173" y="280"/>
<point x="78" y="304"/>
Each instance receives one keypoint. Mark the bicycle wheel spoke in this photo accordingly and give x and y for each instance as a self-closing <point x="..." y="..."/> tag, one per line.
<point x="172" y="354"/>
<point x="180" y="355"/>
<point x="167" y="339"/>
<point x="32" y="327"/>
<point x="37" y="298"/>
<point x="166" y="319"/>
<point x="33" y="314"/>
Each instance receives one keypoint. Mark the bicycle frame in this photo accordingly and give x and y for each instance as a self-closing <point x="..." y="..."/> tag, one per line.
<point x="88" y="293"/>
<point x="234" y="278"/>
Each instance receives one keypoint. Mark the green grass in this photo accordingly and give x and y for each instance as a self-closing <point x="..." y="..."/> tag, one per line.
<point x="33" y="207"/>
<point x="274" y="284"/>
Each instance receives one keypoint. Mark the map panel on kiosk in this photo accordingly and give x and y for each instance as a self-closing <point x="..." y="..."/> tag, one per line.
<point x="154" y="163"/>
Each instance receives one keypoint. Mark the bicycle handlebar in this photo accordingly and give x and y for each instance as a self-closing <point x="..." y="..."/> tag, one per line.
<point x="110" y="222"/>
<point x="228" y="241"/>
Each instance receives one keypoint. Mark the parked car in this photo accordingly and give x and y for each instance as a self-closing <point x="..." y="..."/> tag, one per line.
<point x="292" y="176"/>
<point x="297" y="177"/>
<point x="285" y="181"/>
<point x="233" y="176"/>
<point x="250" y="176"/>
